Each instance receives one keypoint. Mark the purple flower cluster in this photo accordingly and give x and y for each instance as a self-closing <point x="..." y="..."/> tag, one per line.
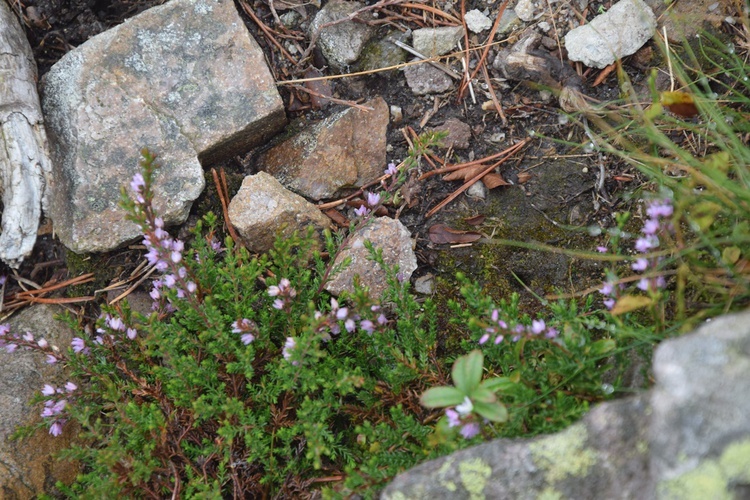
<point x="462" y="416"/>
<point x="288" y="349"/>
<point x="658" y="223"/>
<point x="500" y="329"/>
<point x="371" y="202"/>
<point x="12" y="341"/>
<point x="55" y="405"/>
<point x="284" y="293"/>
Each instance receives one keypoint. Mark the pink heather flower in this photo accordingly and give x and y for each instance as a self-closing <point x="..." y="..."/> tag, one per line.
<point x="56" y="428"/>
<point x="499" y="339"/>
<point x="602" y="249"/>
<point x="161" y="265"/>
<point x="661" y="208"/>
<point x="278" y="304"/>
<point x="238" y="326"/>
<point x="170" y="281"/>
<point x="131" y="333"/>
<point x="11" y="347"/>
<point x="70" y="387"/>
<point x="551" y="333"/>
<point x="609" y="303"/>
<point x="78" y="344"/>
<point x="538" y="326"/>
<point x="607" y="288"/>
<point x="495" y="315"/>
<point x="372" y="199"/>
<point x="660" y="282"/>
<point x="43" y="343"/>
<point x="154" y="294"/>
<point x="28" y="337"/>
<point x="350" y="325"/>
<point x="644" y="284"/>
<point x="182" y="273"/>
<point x="453" y="418"/>
<point x="382" y="320"/>
<point x="152" y="256"/>
<point x="361" y="211"/>
<point x="50" y="360"/>
<point x="115" y="323"/>
<point x="484" y="338"/>
<point x="159" y="222"/>
<point x="4" y="329"/>
<point x="48" y="390"/>
<point x="274" y="291"/>
<point x="176" y="256"/>
<point x="191" y="287"/>
<point x="502" y="324"/>
<point x="651" y="226"/>
<point x="247" y="338"/>
<point x="367" y="326"/>
<point x="342" y="313"/>
<point x="289" y="345"/>
<point x="646" y="243"/>
<point x="392" y="169"/>
<point x="137" y="183"/>
<point x="470" y="430"/>
<point x="640" y="265"/>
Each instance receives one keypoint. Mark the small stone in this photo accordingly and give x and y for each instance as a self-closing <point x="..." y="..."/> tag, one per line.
<point x="476" y="21"/>
<point x="426" y="79"/>
<point x="617" y="33"/>
<point x="341" y="43"/>
<point x="263" y="209"/>
<point x="477" y="190"/>
<point x="459" y="134"/>
<point x="386" y="234"/>
<point x="525" y="10"/>
<point x="509" y="22"/>
<point x="346" y="150"/>
<point x="425" y="284"/>
<point x="396" y="114"/>
<point x="431" y="42"/>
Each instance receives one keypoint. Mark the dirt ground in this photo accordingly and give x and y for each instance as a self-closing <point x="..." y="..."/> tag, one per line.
<point x="553" y="185"/>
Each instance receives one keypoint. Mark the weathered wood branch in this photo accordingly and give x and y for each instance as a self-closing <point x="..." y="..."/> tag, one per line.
<point x="25" y="166"/>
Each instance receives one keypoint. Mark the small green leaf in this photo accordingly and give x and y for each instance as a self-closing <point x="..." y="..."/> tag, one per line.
<point x="730" y="255"/>
<point x="602" y="346"/>
<point x="494" y="412"/>
<point x="440" y="397"/>
<point x="498" y="384"/>
<point x="467" y="371"/>
<point x="628" y="303"/>
<point x="483" y="395"/>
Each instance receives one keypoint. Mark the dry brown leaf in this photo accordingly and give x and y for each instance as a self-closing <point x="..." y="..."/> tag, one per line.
<point x="494" y="180"/>
<point x="475" y="220"/>
<point x="524" y="177"/>
<point x="465" y="174"/>
<point x="319" y="89"/>
<point x="441" y="234"/>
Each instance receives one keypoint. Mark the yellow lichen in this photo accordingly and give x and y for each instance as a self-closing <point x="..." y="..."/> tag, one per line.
<point x="563" y="454"/>
<point x="474" y="474"/>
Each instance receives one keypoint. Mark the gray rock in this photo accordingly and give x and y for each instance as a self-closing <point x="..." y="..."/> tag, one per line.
<point x="184" y="79"/>
<point x="617" y="33"/>
<point x="477" y="190"/>
<point x="382" y="53"/>
<point x="386" y="234"/>
<point x="689" y="437"/>
<point x="263" y="209"/>
<point x="29" y="467"/>
<point x="431" y="42"/>
<point x="477" y="22"/>
<point x="509" y="22"/>
<point x="524" y="9"/>
<point x="459" y="134"/>
<point x="426" y="79"/>
<point x="346" y="150"/>
<point x="700" y="412"/>
<point x="341" y="43"/>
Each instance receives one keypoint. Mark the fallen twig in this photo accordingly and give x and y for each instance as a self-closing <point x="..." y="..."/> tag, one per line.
<point x="221" y="189"/>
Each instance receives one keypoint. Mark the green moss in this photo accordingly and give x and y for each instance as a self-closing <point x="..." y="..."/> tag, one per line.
<point x="564" y="454"/>
<point x="98" y="264"/>
<point x="712" y="478"/>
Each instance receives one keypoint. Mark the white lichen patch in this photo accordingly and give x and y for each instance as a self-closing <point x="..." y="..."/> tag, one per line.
<point x="564" y="454"/>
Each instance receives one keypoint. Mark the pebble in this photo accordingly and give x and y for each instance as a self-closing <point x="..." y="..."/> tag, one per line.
<point x="477" y="22"/>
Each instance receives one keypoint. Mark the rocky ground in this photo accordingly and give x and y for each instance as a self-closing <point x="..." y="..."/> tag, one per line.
<point x="545" y="187"/>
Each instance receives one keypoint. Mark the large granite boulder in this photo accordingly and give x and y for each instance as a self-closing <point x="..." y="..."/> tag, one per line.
<point x="689" y="437"/>
<point x="184" y="79"/>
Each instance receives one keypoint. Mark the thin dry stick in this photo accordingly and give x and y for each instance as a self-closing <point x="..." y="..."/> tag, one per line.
<point x="267" y="32"/>
<point x="471" y="181"/>
<point x="333" y="99"/>
<point x="221" y="189"/>
<point x="134" y="286"/>
<point x="426" y="59"/>
<point x="495" y="100"/>
<point x="433" y="10"/>
<point x="467" y="164"/>
<point x="85" y="278"/>
<point x="487" y="46"/>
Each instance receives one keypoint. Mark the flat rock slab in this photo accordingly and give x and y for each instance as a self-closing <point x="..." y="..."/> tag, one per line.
<point x="185" y="80"/>
<point x="386" y="234"/>
<point x="263" y="209"/>
<point x="346" y="150"/>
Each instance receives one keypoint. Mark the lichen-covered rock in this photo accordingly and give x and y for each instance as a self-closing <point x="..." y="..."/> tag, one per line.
<point x="184" y="79"/>
<point x="425" y="79"/>
<point x="689" y="437"/>
<point x="345" y="150"/>
<point x="263" y="209"/>
<point x="386" y="234"/>
<point x="431" y="42"/>
<point x="29" y="467"/>
<point x="341" y="43"/>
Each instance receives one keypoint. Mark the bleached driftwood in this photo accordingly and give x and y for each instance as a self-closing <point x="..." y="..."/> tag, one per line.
<point x="25" y="166"/>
